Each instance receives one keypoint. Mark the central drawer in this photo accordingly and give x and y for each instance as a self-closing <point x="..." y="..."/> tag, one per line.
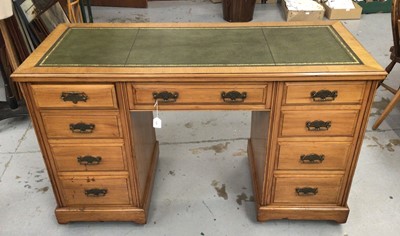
<point x="95" y="190"/>
<point x="143" y="96"/>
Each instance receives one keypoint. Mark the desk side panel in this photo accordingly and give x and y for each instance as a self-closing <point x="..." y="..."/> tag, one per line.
<point x="144" y="141"/>
<point x="42" y="138"/>
<point x="258" y="141"/>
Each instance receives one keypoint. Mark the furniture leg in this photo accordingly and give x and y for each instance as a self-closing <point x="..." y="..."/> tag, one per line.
<point x="82" y="6"/>
<point x="89" y="8"/>
<point x="390" y="66"/>
<point x="390" y="89"/>
<point x="12" y="55"/>
<point x="388" y="69"/>
<point x="6" y="112"/>
<point x="74" y="11"/>
<point x="11" y="100"/>
<point x="387" y="110"/>
<point x="10" y="108"/>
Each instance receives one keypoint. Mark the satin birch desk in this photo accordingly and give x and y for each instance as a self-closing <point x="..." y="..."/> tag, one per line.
<point x="91" y="90"/>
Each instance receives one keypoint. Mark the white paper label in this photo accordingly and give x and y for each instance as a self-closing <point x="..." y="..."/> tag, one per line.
<point x="157" y="123"/>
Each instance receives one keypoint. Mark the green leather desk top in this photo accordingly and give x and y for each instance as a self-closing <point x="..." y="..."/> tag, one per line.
<point x="205" y="47"/>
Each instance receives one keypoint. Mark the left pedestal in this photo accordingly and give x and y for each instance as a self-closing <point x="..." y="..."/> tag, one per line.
<point x="93" y="148"/>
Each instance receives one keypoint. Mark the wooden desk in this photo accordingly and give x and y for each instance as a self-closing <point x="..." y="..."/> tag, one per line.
<point x="309" y="86"/>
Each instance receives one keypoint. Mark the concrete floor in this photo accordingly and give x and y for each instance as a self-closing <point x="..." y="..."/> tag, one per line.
<point x="202" y="151"/>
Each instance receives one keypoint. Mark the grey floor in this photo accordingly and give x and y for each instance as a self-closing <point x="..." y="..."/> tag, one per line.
<point x="203" y="151"/>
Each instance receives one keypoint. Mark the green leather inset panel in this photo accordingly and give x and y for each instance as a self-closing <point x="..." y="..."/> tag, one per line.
<point x="308" y="45"/>
<point x="154" y="47"/>
<point x="93" y="47"/>
<point x="203" y="47"/>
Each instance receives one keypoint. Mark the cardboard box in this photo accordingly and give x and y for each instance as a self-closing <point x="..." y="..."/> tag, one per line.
<point x="302" y="15"/>
<point x="343" y="14"/>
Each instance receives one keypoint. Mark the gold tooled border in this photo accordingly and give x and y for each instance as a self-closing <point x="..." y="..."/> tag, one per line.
<point x="355" y="61"/>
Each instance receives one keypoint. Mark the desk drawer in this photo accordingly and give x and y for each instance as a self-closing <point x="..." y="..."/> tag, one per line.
<point x="313" y="155"/>
<point x="319" y="123"/>
<point x="324" y="93"/>
<point x="75" y="96"/>
<point x="89" y="157"/>
<point x="95" y="190"/>
<point x="81" y="126"/>
<point x="307" y="189"/>
<point x="143" y="96"/>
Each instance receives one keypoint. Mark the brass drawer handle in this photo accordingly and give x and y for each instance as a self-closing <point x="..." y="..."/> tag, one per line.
<point x="81" y="128"/>
<point x="74" y="97"/>
<point x="233" y="96"/>
<point x="312" y="158"/>
<point x="306" y="191"/>
<point x="88" y="160"/>
<point x="318" y="125"/>
<point x="324" y="95"/>
<point x="165" y="96"/>
<point x="96" y="192"/>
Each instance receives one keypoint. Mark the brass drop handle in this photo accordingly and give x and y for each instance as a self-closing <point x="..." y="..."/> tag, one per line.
<point x="233" y="96"/>
<point x="324" y="95"/>
<point x="318" y="125"/>
<point x="74" y="97"/>
<point x="96" y="192"/>
<point x="312" y="158"/>
<point x="306" y="191"/>
<point x="88" y="160"/>
<point x="82" y="127"/>
<point x="165" y="96"/>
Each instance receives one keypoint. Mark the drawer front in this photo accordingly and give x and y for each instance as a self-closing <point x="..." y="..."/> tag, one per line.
<point x="75" y="96"/>
<point x="95" y="190"/>
<point x="313" y="155"/>
<point x="319" y="123"/>
<point x="230" y="95"/>
<point x="311" y="189"/>
<point x="324" y="93"/>
<point x="88" y="157"/>
<point x="82" y="126"/>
